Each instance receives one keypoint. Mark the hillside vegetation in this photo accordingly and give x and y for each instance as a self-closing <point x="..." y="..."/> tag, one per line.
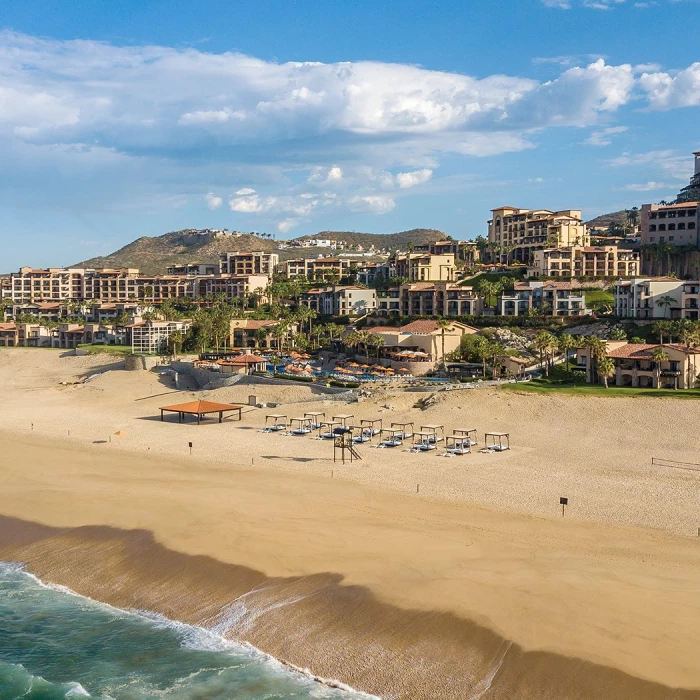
<point x="153" y="255"/>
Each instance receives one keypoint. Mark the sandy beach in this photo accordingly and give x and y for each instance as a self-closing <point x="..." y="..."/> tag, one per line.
<point x="473" y="587"/>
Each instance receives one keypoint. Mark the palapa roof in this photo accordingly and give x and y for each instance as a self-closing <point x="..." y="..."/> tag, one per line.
<point x="200" y="407"/>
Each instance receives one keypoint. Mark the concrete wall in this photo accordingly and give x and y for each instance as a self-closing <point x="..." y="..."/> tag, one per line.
<point x="139" y="362"/>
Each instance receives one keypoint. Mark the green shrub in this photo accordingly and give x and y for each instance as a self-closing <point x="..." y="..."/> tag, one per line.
<point x="292" y="378"/>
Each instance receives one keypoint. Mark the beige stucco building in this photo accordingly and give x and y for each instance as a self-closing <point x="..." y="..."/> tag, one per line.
<point x="518" y="233"/>
<point x="585" y="261"/>
<point x="635" y="367"/>
<point x="439" y="299"/>
<point x="674" y="224"/>
<point x="425" y="267"/>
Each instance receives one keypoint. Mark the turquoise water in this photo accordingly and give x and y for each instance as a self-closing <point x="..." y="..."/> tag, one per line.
<point x="55" y="644"/>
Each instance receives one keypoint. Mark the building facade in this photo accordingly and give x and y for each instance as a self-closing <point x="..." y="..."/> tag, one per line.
<point x="151" y="337"/>
<point x="425" y="267"/>
<point x="439" y="299"/>
<point x="653" y="298"/>
<point x="673" y="224"/>
<point x="318" y="269"/>
<point x="635" y="365"/>
<point x="518" y="233"/>
<point x="548" y="298"/>
<point x="580" y="261"/>
<point x="243" y="263"/>
<point x="341" y="300"/>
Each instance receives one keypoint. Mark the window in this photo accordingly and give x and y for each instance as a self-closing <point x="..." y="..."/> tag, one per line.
<point x="662" y="227"/>
<point x="672" y="227"/>
<point x="670" y="238"/>
<point x="652" y="239"/>
<point x="653" y="215"/>
<point x="652" y="227"/>
<point x="681" y="226"/>
<point x="691" y="224"/>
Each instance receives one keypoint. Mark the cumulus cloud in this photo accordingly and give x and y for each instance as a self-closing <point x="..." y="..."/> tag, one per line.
<point x="213" y="202"/>
<point x="602" y="137"/>
<point x="326" y="175"/>
<point x="411" y="179"/>
<point x="373" y="204"/>
<point x="668" y="91"/>
<point x="669" y="162"/>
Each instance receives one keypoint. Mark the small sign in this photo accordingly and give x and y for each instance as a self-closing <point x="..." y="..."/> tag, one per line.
<point x="562" y="501"/>
<point x="190" y="445"/>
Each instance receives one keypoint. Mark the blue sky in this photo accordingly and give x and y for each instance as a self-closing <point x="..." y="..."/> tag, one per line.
<point x="119" y="120"/>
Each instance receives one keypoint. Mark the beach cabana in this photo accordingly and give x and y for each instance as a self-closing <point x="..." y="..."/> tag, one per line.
<point x="201" y="409"/>
<point x="314" y="416"/>
<point x="423" y="441"/>
<point x="498" y="442"/>
<point x="437" y="431"/>
<point x="467" y="435"/>
<point x="343" y="418"/>
<point x="303" y="426"/>
<point x="275" y="421"/>
<point x="391" y="437"/>
<point x="369" y="425"/>
<point x="326" y="429"/>
<point x="456" y="445"/>
<point x="404" y="433"/>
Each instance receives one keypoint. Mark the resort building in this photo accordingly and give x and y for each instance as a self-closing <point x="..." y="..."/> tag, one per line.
<point x="654" y="298"/>
<point x="30" y="285"/>
<point x="589" y="261"/>
<point x="341" y="300"/>
<point x="439" y="299"/>
<point x="193" y="269"/>
<point x="315" y="268"/>
<point x="547" y="298"/>
<point x="516" y="234"/>
<point x="151" y="337"/>
<point x="635" y="365"/>
<point x="254" y="333"/>
<point x="242" y="263"/>
<point x="389" y="302"/>
<point x="242" y="364"/>
<point x="418" y="346"/>
<point x="674" y="224"/>
<point x="425" y="267"/>
<point x="371" y="273"/>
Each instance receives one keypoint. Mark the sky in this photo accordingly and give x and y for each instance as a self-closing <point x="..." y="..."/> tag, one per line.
<point x="133" y="118"/>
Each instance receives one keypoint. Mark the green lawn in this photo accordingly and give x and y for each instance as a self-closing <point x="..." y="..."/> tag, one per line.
<point x="597" y="298"/>
<point x="559" y="382"/>
<point x="106" y="349"/>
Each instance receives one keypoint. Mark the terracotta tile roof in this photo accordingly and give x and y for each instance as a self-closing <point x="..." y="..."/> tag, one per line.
<point x="255" y="324"/>
<point x="384" y="329"/>
<point x="243" y="360"/>
<point x="420" y="326"/>
<point x="8" y="327"/>
<point x="633" y="350"/>
<point x="686" y="205"/>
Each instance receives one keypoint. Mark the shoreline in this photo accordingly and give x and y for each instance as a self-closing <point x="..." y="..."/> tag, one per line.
<point x="126" y="569"/>
<point x="417" y="631"/>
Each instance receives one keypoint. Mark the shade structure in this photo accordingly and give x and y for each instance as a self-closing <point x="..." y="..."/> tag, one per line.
<point x="201" y="409"/>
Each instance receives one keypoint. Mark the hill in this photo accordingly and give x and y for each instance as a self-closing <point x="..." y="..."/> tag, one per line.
<point x="154" y="254"/>
<point x="382" y="241"/>
<point x="604" y="220"/>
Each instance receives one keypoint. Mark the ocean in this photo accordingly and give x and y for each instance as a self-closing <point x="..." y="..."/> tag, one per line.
<point x="55" y="644"/>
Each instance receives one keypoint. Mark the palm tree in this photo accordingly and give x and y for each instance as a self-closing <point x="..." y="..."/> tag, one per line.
<point x="565" y="343"/>
<point x="662" y="328"/>
<point x="605" y="367"/>
<point x="377" y="342"/>
<point x="658" y="356"/>
<point x="443" y="325"/>
<point x="665" y="301"/>
<point x="543" y="342"/>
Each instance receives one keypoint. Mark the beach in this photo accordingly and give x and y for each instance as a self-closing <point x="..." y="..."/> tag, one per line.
<point x="407" y="576"/>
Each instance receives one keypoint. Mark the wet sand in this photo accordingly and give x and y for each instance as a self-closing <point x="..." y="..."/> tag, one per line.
<point x="397" y="595"/>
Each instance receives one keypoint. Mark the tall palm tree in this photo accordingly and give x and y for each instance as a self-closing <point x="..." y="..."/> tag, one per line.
<point x="543" y="342"/>
<point x="443" y="325"/>
<point x="605" y="367"/>
<point x="565" y="344"/>
<point x="658" y="356"/>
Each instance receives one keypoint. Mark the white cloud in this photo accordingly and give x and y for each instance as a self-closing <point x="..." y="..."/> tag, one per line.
<point x="602" y="137"/>
<point x="244" y="191"/>
<point x="669" y="91"/>
<point x="325" y="175"/>
<point x="287" y="225"/>
<point x="648" y="186"/>
<point x="411" y="179"/>
<point x="667" y="161"/>
<point x="373" y="204"/>
<point x="559" y="4"/>
<point x="213" y="202"/>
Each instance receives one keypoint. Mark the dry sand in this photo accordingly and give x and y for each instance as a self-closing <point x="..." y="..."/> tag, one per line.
<point x="422" y="591"/>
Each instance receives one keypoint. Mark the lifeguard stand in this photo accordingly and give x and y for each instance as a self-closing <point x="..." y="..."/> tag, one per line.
<point x="343" y="448"/>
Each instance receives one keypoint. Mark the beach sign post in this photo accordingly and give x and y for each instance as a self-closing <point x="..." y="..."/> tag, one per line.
<point x="190" y="446"/>
<point x="563" y="502"/>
